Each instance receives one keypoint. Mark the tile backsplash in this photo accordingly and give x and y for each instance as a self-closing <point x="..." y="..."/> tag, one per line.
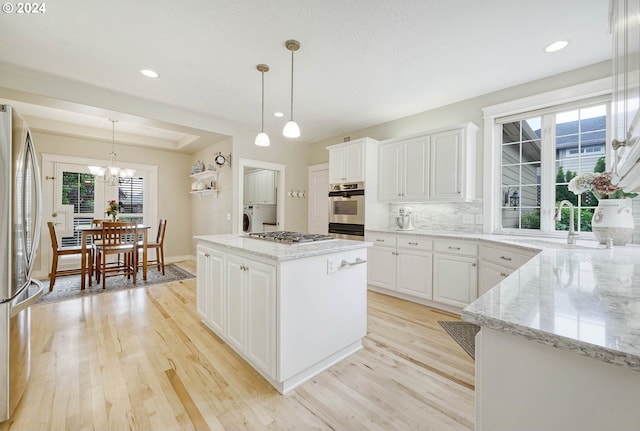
<point x="447" y="217"/>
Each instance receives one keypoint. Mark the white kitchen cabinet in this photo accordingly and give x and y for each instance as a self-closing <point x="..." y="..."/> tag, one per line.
<point x="404" y="170"/>
<point x="455" y="272"/>
<point x="401" y="263"/>
<point x="260" y="187"/>
<point x="210" y="288"/>
<point x="434" y="166"/>
<point x="381" y="267"/>
<point x="250" y="310"/>
<point x="499" y="262"/>
<point x="346" y="162"/>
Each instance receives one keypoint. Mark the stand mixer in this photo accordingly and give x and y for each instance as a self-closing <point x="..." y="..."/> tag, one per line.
<point x="403" y="220"/>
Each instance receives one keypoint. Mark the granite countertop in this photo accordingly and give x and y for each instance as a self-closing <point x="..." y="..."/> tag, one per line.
<point x="280" y="251"/>
<point x="581" y="298"/>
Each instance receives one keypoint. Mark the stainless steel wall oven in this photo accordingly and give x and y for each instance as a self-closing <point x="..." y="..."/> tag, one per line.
<point x="346" y="210"/>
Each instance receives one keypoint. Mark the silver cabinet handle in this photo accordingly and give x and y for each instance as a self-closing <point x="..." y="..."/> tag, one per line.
<point x="207" y="255"/>
<point x="358" y="261"/>
<point x="503" y="274"/>
<point x="454" y="248"/>
<point x="473" y="264"/>
<point x="412" y="243"/>
<point x="379" y="240"/>
<point x="505" y="258"/>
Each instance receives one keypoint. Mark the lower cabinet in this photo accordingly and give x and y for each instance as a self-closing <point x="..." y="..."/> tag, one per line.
<point x="455" y="279"/>
<point x="236" y="298"/>
<point x="402" y="263"/>
<point x="499" y="262"/>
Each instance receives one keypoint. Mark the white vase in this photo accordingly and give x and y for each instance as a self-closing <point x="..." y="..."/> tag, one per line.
<point x="613" y="219"/>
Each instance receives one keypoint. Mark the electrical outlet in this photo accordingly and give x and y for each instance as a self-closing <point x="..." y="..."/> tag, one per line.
<point x="228" y="216"/>
<point x="478" y="218"/>
<point x="467" y="218"/>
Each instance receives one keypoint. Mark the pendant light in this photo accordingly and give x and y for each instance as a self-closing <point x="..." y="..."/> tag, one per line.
<point x="291" y="129"/>
<point x="262" y="140"/>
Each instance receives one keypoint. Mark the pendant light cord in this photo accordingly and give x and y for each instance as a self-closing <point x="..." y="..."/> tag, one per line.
<point x="262" y="126"/>
<point x="291" y="85"/>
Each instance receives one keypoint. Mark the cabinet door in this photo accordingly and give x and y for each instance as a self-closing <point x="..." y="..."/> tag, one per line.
<point x="336" y="165"/>
<point x="489" y="275"/>
<point x="354" y="163"/>
<point x="415" y="178"/>
<point x="414" y="273"/>
<point x="203" y="301"/>
<point x="216" y="291"/>
<point x="261" y="316"/>
<point x="389" y="172"/>
<point x="266" y="187"/>
<point x="455" y="279"/>
<point x="236" y="310"/>
<point x="446" y="165"/>
<point x="381" y="267"/>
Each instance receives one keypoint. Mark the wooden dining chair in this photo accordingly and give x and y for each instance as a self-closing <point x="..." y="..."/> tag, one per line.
<point x="66" y="251"/>
<point x="118" y="238"/>
<point x="157" y="245"/>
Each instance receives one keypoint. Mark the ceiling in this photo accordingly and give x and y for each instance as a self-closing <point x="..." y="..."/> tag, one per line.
<point x="361" y="62"/>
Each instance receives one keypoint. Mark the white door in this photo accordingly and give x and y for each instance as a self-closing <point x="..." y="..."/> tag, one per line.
<point x="336" y="165"/>
<point x="446" y="165"/>
<point x="381" y="267"/>
<point x="354" y="163"/>
<point x="415" y="178"/>
<point x="216" y="294"/>
<point x="318" y="220"/>
<point x="455" y="279"/>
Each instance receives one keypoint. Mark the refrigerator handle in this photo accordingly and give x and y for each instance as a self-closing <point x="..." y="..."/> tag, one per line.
<point x="31" y="151"/>
<point x="17" y="307"/>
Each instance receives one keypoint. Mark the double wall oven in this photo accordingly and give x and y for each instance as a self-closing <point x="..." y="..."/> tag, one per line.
<point x="346" y="211"/>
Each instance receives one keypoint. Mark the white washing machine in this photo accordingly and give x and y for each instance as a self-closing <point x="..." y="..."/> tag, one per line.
<point x="254" y="217"/>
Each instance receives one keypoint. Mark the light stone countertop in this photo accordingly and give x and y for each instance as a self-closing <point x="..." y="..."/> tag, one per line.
<point x="583" y="298"/>
<point x="279" y="251"/>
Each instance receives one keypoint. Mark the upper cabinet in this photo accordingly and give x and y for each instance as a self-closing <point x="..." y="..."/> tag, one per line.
<point x="403" y="171"/>
<point x="434" y="166"/>
<point x="346" y="162"/>
<point x="260" y="187"/>
<point x="626" y="91"/>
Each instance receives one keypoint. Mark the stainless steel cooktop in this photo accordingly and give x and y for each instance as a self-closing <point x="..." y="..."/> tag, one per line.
<point x="290" y="237"/>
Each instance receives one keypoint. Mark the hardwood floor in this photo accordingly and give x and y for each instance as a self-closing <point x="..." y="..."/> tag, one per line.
<point x="141" y="360"/>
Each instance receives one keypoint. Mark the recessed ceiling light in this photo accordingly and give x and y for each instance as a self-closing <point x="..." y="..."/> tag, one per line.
<point x="149" y="73"/>
<point x="556" y="46"/>
<point x="278" y="114"/>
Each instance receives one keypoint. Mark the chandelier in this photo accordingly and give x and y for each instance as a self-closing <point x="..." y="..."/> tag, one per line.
<point x="111" y="174"/>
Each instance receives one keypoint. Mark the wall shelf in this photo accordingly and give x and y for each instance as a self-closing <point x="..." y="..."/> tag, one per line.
<point x="206" y="178"/>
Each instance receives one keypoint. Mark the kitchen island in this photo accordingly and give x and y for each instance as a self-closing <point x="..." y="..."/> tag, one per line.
<point x="291" y="311"/>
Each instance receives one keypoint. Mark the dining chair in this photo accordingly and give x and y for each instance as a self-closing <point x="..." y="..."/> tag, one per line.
<point x="66" y="251"/>
<point x="157" y="245"/>
<point x="118" y="238"/>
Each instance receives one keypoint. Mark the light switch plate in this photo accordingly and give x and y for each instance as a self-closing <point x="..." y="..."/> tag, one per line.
<point x="478" y="218"/>
<point x="467" y="218"/>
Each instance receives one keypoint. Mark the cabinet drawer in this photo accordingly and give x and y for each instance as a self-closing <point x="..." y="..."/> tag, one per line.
<point x="504" y="257"/>
<point x="381" y="239"/>
<point x="414" y="243"/>
<point x="456" y="247"/>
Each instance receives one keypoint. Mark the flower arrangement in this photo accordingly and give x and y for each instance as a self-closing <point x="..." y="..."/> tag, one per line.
<point x="598" y="183"/>
<point x="112" y="209"/>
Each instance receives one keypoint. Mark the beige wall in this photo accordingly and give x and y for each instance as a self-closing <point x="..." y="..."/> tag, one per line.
<point x="173" y="180"/>
<point x="461" y="112"/>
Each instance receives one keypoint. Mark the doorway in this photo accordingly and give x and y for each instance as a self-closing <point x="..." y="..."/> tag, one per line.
<point x="318" y="201"/>
<point x="254" y="177"/>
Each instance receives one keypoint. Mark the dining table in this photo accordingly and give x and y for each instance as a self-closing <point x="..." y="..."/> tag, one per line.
<point x="90" y="231"/>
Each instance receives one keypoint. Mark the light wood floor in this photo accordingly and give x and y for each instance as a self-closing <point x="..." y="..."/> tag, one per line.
<point x="141" y="360"/>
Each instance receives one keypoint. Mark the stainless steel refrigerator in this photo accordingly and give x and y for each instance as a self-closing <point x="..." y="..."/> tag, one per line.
<point x="20" y="225"/>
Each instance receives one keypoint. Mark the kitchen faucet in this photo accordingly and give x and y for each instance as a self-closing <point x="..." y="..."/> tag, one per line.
<point x="571" y="237"/>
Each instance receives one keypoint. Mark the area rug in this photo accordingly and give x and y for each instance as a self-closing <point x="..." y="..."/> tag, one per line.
<point x="464" y="333"/>
<point x="68" y="287"/>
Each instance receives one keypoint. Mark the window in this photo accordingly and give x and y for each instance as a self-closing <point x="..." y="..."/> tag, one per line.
<point x="131" y="199"/>
<point x="540" y="153"/>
